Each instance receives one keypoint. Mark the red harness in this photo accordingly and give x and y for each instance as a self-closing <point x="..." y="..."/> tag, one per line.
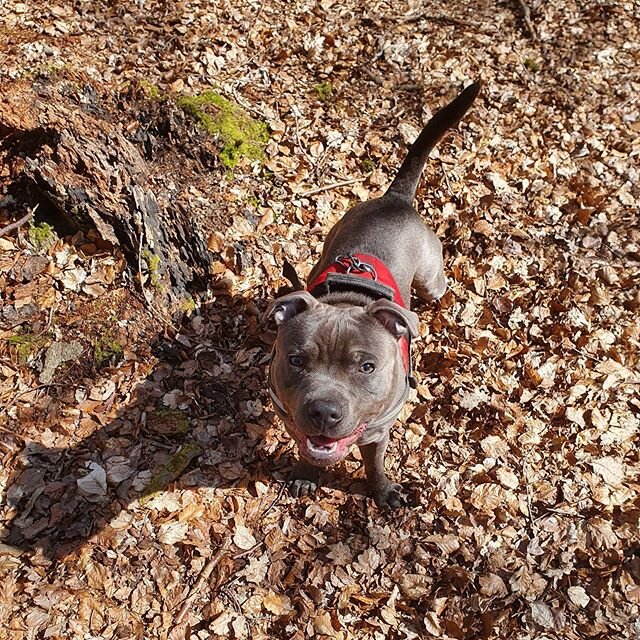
<point x="367" y="274"/>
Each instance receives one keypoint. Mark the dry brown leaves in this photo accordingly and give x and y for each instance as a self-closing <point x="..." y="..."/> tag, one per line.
<point x="520" y="447"/>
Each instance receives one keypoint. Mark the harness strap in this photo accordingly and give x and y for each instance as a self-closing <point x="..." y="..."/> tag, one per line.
<point x="358" y="271"/>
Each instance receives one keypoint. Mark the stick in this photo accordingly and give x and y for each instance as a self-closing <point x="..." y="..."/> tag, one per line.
<point x="275" y="501"/>
<point x="204" y="576"/>
<point x="441" y="17"/>
<point x="525" y="475"/>
<point x="328" y="187"/>
<point x="18" y="223"/>
<point x="374" y="77"/>
<point x="206" y="572"/>
<point x="526" y="16"/>
<point x="310" y="160"/>
<point x="24" y="393"/>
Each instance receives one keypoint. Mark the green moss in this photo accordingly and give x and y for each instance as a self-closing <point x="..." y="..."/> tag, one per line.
<point x="48" y="70"/>
<point x="44" y="71"/>
<point x="150" y="89"/>
<point x="42" y="236"/>
<point x="240" y="134"/>
<point x="253" y="201"/>
<point x="324" y="91"/>
<point x="107" y="349"/>
<point x="532" y="65"/>
<point x="188" y="305"/>
<point x="171" y="470"/>
<point x="153" y="265"/>
<point x="26" y="345"/>
<point x="367" y="165"/>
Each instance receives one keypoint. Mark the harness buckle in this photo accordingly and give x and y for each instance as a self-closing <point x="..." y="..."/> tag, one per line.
<point x="352" y="264"/>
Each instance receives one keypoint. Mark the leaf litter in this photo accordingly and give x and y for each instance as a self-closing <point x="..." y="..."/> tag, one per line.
<point x="519" y="451"/>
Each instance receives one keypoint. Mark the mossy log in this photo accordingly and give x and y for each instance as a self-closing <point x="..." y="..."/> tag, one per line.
<point x="70" y="156"/>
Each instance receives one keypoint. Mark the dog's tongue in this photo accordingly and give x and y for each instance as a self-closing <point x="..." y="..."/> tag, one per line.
<point x="322" y="441"/>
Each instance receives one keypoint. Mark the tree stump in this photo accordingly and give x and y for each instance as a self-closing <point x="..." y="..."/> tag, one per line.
<point x="67" y="154"/>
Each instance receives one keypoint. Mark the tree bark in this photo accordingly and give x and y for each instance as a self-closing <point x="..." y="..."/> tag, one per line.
<point x="72" y="158"/>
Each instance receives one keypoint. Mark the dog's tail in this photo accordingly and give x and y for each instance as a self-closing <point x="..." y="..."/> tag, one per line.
<point x="406" y="181"/>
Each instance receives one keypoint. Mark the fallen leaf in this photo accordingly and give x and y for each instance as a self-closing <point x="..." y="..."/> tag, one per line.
<point x="578" y="596"/>
<point x="243" y="538"/>
<point x="542" y="615"/>
<point x="610" y="469"/>
<point x="172" y="532"/>
<point x="492" y="585"/>
<point x="340" y="553"/>
<point x="277" y="603"/>
<point x="487" y="497"/>
<point x="95" y="482"/>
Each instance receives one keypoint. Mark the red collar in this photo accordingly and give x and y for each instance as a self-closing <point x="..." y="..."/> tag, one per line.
<point x="364" y="273"/>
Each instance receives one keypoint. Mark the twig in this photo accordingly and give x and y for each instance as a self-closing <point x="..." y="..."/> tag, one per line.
<point x="525" y="474"/>
<point x="294" y="112"/>
<point x="24" y="393"/>
<point x="206" y="572"/>
<point x="379" y="80"/>
<point x="247" y="552"/>
<point x="526" y="16"/>
<point x="46" y="327"/>
<point x="410" y="86"/>
<point x="18" y="223"/>
<point x="275" y="501"/>
<point x="204" y="576"/>
<point x="328" y="187"/>
<point x="559" y="512"/>
<point x="446" y="179"/>
<point x="254" y="22"/>
<point x="440" y="17"/>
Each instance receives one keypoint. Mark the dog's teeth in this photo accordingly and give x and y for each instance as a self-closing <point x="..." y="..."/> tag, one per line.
<point x="321" y="448"/>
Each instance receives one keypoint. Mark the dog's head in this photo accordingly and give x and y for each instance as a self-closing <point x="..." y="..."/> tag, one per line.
<point x="335" y="368"/>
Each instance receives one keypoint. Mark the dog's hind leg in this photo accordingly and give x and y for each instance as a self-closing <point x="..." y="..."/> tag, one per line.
<point x="429" y="280"/>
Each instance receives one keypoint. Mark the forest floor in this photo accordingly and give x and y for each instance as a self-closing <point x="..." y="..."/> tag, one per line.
<point x="519" y="449"/>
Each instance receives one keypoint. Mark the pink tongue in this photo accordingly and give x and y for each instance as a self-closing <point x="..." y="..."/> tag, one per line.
<point x="322" y="441"/>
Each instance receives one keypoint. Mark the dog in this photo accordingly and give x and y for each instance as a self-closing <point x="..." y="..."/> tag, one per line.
<point x="340" y="369"/>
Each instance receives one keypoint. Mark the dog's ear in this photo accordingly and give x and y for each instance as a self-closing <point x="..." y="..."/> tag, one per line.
<point x="284" y="308"/>
<point x="396" y="319"/>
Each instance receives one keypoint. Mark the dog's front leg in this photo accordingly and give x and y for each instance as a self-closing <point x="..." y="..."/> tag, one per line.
<point x="383" y="491"/>
<point x="303" y="479"/>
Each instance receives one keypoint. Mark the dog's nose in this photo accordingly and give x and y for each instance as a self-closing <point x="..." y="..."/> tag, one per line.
<point x="324" y="413"/>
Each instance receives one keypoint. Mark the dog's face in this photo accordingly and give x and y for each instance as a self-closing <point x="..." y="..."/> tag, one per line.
<point x="335" y="368"/>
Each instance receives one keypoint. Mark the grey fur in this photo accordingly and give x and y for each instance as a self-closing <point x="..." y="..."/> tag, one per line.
<point x="323" y="343"/>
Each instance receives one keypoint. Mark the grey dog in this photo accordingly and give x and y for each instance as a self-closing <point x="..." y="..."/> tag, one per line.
<point x="341" y="365"/>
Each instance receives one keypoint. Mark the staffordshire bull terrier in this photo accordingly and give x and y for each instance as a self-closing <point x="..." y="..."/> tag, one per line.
<point x="341" y="367"/>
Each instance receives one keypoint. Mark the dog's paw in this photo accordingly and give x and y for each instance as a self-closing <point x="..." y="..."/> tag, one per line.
<point x="299" y="487"/>
<point x="389" y="495"/>
<point x="303" y="480"/>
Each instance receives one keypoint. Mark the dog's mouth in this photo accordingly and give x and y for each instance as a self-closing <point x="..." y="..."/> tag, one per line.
<point x="324" y="451"/>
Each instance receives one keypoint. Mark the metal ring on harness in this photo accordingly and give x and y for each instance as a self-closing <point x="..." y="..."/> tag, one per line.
<point x="352" y="264"/>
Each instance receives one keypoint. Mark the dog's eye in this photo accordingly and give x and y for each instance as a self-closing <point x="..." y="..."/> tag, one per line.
<point x="367" y="367"/>
<point x="295" y="361"/>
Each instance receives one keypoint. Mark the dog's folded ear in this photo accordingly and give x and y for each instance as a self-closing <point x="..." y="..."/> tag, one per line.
<point x="284" y="308"/>
<point x="398" y="320"/>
